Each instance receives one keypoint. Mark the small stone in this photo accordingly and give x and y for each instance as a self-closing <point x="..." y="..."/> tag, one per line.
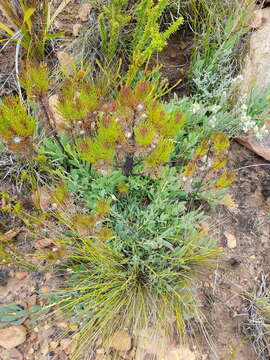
<point x="12" y="336"/>
<point x="152" y="342"/>
<point x="53" y="345"/>
<point x="231" y="240"/>
<point x="76" y="29"/>
<point x="32" y="300"/>
<point x="121" y="341"/>
<point x="84" y="11"/>
<point x="12" y="354"/>
<point x="21" y="275"/>
<point x="3" y="278"/>
<point x="69" y="345"/>
<point x="102" y="357"/>
<point x="62" y="324"/>
<point x="65" y="60"/>
<point x="180" y="353"/>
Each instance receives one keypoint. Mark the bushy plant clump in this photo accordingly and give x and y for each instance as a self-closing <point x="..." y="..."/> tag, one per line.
<point x="123" y="221"/>
<point x="132" y="261"/>
<point x="135" y="255"/>
<point x="17" y="127"/>
<point x="220" y="29"/>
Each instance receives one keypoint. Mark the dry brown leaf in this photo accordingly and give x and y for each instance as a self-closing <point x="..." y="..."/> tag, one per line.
<point x="43" y="243"/>
<point x="257" y="19"/>
<point x="76" y="29"/>
<point x="21" y="275"/>
<point x="205" y="226"/>
<point x="58" y="120"/>
<point x="65" y="60"/>
<point x="84" y="11"/>
<point x="42" y="198"/>
<point x="9" y="235"/>
<point x="231" y="240"/>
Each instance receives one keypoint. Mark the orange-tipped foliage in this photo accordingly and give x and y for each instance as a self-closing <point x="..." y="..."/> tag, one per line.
<point x="17" y="127"/>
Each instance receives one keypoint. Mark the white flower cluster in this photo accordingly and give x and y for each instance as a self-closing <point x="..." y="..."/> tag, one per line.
<point x="214" y="108"/>
<point x="195" y="108"/>
<point x="247" y="123"/>
<point x="17" y="139"/>
<point x="212" y="122"/>
<point x="261" y="132"/>
<point x="237" y="79"/>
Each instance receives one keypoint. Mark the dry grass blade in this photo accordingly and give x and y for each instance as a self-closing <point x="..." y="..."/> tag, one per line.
<point x="257" y="327"/>
<point x="9" y="11"/>
<point x="60" y="8"/>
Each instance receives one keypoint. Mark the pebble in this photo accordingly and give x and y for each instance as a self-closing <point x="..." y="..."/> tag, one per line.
<point x="231" y="240"/>
<point x="121" y="341"/>
<point x="76" y="29"/>
<point x="21" y="275"/>
<point x="12" y="354"/>
<point x="12" y="336"/>
<point x="84" y="11"/>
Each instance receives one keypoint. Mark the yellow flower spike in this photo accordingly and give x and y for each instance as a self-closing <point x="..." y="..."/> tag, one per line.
<point x="219" y="162"/>
<point x="189" y="169"/>
<point x="221" y="141"/>
<point x="202" y="149"/>
<point x="225" y="180"/>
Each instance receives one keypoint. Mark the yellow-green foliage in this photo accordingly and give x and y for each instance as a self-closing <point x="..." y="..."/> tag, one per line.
<point x="30" y="22"/>
<point x="167" y="124"/>
<point x="208" y="161"/>
<point x="77" y="101"/>
<point x="147" y="37"/>
<point x="35" y="79"/>
<point x="17" y="127"/>
<point x="111" y="20"/>
<point x="160" y="154"/>
<point x="145" y="133"/>
<point x="144" y="39"/>
<point x="93" y="151"/>
<point x="109" y="130"/>
<point x="114" y="133"/>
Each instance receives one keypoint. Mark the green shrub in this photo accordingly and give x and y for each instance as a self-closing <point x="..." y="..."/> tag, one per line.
<point x="221" y="27"/>
<point x="131" y="263"/>
<point x="125" y="30"/>
<point x="17" y="127"/>
<point x="15" y="315"/>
